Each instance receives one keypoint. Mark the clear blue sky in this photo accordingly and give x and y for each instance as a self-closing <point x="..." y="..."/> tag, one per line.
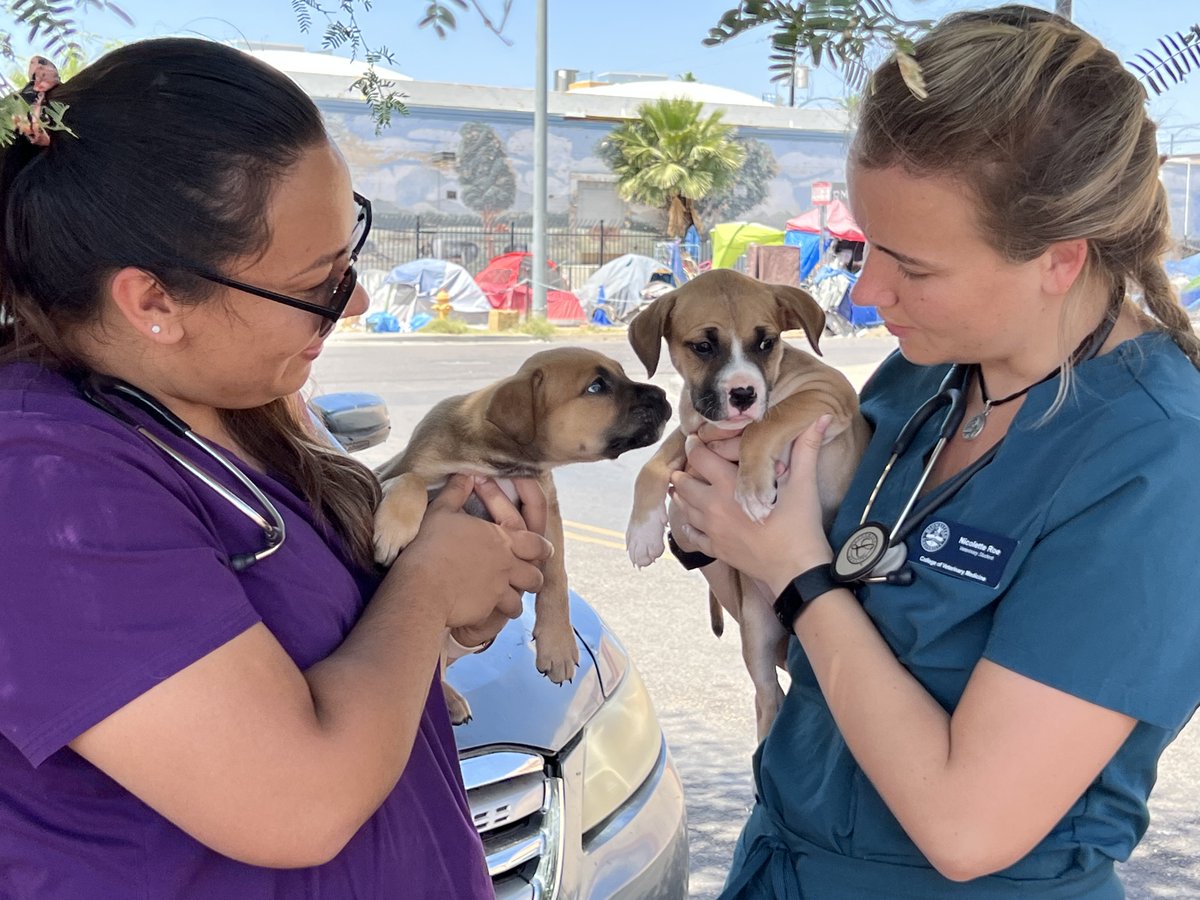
<point x="661" y="36"/>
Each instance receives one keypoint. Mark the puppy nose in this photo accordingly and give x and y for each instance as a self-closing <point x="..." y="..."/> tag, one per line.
<point x="742" y="398"/>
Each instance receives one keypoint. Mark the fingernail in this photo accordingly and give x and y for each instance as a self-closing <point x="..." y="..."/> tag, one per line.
<point x="823" y="422"/>
<point x="481" y="479"/>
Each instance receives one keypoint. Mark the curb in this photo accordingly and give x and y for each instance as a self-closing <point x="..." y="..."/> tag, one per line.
<point x="482" y="337"/>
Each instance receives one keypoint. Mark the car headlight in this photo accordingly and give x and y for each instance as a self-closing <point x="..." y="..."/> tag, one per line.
<point x="621" y="748"/>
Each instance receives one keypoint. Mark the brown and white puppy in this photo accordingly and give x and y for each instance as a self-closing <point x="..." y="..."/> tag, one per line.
<point x="565" y="405"/>
<point x="723" y="332"/>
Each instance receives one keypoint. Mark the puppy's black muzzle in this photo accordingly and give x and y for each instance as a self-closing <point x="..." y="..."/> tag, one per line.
<point x="644" y="423"/>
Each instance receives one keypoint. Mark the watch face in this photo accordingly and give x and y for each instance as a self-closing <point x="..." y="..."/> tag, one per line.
<point x="861" y="552"/>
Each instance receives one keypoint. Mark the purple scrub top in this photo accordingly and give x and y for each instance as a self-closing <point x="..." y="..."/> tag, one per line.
<point x="115" y="576"/>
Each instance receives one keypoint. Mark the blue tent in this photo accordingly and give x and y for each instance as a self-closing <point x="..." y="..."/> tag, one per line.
<point x="1189" y="268"/>
<point x="421" y="280"/>
<point x="831" y="288"/>
<point x="810" y="249"/>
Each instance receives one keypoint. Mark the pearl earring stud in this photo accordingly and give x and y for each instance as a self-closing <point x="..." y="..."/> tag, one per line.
<point x="155" y="329"/>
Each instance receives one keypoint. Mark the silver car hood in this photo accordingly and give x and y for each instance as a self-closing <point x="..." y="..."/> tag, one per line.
<point x="513" y="704"/>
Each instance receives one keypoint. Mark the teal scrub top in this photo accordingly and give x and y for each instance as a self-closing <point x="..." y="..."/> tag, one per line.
<point x="1069" y="559"/>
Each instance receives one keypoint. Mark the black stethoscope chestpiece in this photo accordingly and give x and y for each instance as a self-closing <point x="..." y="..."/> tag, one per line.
<point x="866" y="555"/>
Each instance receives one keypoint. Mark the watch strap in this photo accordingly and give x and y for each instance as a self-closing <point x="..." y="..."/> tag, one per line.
<point x="803" y="590"/>
<point x="689" y="559"/>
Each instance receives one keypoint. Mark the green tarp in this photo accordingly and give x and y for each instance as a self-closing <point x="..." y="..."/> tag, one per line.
<point x="730" y="240"/>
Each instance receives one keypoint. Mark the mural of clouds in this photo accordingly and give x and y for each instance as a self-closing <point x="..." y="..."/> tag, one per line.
<point x="396" y="166"/>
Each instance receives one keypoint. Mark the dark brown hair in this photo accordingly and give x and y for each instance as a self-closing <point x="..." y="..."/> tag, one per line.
<point x="179" y="145"/>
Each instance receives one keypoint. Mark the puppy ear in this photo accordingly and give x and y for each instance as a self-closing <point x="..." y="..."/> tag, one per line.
<point x="648" y="328"/>
<point x="800" y="310"/>
<point x="514" y="406"/>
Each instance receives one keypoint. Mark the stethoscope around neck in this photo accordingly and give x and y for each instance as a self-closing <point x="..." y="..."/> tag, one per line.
<point x="99" y="389"/>
<point x="874" y="553"/>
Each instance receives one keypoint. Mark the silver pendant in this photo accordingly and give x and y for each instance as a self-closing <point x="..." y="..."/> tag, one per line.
<point x="975" y="424"/>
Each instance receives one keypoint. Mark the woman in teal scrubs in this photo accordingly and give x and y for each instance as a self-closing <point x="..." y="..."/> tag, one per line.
<point x="991" y="729"/>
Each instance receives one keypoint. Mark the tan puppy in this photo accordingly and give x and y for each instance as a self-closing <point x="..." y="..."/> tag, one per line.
<point x="723" y="333"/>
<point x="565" y="405"/>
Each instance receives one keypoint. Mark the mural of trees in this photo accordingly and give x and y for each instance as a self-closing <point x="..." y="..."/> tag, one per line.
<point x="485" y="175"/>
<point x="750" y="186"/>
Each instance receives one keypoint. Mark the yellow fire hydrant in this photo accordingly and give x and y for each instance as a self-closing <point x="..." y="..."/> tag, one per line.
<point x="441" y="303"/>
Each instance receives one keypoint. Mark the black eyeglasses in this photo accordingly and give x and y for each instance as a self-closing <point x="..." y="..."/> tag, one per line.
<point x="331" y="311"/>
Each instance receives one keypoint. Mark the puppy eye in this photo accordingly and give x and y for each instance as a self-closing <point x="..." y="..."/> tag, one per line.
<point x="599" y="386"/>
<point x="701" y="348"/>
<point x="767" y="344"/>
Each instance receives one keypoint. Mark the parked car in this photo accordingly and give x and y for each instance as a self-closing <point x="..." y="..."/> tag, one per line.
<point x="572" y="786"/>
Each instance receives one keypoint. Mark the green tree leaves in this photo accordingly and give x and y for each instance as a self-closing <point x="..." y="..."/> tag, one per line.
<point x="671" y="157"/>
<point x="839" y="32"/>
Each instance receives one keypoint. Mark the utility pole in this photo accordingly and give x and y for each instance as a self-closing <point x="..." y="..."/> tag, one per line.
<point x="540" y="268"/>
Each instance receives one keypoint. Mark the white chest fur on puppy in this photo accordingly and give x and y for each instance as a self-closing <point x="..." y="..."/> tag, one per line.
<point x="564" y="405"/>
<point x="723" y="333"/>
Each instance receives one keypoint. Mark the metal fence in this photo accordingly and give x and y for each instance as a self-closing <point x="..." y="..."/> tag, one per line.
<point x="578" y="251"/>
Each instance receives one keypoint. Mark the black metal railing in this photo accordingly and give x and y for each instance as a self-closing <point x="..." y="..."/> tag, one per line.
<point x="577" y="251"/>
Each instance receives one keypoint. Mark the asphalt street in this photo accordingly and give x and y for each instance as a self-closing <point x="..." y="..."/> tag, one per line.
<point x="697" y="681"/>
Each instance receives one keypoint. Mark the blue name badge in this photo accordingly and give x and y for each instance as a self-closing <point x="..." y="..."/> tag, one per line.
<point x="964" y="552"/>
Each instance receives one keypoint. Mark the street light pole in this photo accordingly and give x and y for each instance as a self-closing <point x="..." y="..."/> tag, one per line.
<point x="539" y="168"/>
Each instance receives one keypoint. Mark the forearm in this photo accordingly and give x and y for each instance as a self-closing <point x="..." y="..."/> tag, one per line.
<point x="267" y="764"/>
<point x="884" y="713"/>
<point x="975" y="791"/>
<point x="904" y="741"/>
<point x="368" y="696"/>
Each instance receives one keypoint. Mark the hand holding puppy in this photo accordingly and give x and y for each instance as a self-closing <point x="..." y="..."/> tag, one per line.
<point x="789" y="541"/>
<point x="506" y="555"/>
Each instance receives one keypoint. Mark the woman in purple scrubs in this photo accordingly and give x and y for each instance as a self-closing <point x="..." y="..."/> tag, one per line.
<point x="190" y="704"/>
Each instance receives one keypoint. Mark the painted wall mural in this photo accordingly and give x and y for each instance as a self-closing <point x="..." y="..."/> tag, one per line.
<point x="416" y="168"/>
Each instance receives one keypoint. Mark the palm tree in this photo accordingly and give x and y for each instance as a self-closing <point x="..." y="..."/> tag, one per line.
<point x="671" y="157"/>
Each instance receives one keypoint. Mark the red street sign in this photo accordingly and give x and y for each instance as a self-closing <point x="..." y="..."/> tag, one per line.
<point x="822" y="193"/>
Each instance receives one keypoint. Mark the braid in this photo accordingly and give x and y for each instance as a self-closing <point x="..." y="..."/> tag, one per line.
<point x="1161" y="302"/>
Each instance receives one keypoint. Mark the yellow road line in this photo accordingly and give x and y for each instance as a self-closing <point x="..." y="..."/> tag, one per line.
<point x="591" y="540"/>
<point x="595" y="529"/>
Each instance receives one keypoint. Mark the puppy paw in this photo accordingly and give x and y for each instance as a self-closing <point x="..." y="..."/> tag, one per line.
<point x="645" y="540"/>
<point x="460" y="710"/>
<point x="557" y="653"/>
<point x="756" y="495"/>
<point x="395" y="529"/>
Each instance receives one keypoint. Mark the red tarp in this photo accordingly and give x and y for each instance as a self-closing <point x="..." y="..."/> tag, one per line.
<point x="506" y="282"/>
<point x="838" y="222"/>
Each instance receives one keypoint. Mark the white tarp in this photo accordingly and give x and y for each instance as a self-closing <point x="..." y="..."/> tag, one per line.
<point x="623" y="280"/>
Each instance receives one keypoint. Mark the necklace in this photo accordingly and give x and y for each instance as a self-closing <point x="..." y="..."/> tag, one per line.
<point x="1087" y="348"/>
<point x="978" y="422"/>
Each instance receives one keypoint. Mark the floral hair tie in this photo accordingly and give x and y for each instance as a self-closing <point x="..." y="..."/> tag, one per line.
<point x="43" y="75"/>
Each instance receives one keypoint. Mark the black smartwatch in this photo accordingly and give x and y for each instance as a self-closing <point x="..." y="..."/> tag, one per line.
<point x="803" y="590"/>
<point x="692" y="559"/>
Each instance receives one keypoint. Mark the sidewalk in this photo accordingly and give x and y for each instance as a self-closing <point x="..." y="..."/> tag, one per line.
<point x="564" y="333"/>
